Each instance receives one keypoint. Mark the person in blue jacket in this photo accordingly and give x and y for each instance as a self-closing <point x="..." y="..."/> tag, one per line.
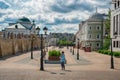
<point x="62" y="60"/>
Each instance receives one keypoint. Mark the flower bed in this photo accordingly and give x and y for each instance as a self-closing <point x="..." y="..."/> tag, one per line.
<point x="54" y="55"/>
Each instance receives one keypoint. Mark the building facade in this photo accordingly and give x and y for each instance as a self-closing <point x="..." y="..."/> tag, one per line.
<point x="92" y="32"/>
<point x="115" y="25"/>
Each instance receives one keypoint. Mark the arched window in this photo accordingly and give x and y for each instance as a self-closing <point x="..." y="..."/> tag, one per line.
<point x="16" y="26"/>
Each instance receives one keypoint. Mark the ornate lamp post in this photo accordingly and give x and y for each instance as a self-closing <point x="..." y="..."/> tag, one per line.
<point x="32" y="39"/>
<point x="42" y="55"/>
<point x="73" y="50"/>
<point x="111" y="59"/>
<point x="78" y="50"/>
<point x="31" y="47"/>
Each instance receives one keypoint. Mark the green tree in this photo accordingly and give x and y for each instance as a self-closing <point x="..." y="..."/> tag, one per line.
<point x="65" y="43"/>
<point x="107" y="30"/>
<point x="107" y="23"/>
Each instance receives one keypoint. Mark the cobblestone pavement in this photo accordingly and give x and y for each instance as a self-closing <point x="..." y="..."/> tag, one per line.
<point x="90" y="66"/>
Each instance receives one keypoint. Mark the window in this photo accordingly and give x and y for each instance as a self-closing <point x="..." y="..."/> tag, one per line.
<point x="117" y="44"/>
<point x="90" y="27"/>
<point x="98" y="44"/>
<point x="118" y="3"/>
<point x="98" y="36"/>
<point x="98" y="28"/>
<point x="116" y="23"/>
<point x="90" y="44"/>
<point x="16" y="26"/>
<point x="114" y="29"/>
<point x="115" y="5"/>
<point x="89" y="36"/>
<point x="119" y="24"/>
<point x="114" y="44"/>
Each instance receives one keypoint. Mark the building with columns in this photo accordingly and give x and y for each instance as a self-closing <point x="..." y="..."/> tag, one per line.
<point x="92" y="31"/>
<point x="115" y="24"/>
<point x="22" y="28"/>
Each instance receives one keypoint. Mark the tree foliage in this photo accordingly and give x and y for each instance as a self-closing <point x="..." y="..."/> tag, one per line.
<point x="107" y="29"/>
<point x="65" y="43"/>
<point x="107" y="23"/>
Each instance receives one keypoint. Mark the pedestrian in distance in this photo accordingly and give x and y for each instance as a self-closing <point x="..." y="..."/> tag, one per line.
<point x="62" y="60"/>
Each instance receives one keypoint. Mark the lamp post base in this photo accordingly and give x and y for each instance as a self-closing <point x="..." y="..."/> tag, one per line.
<point x="31" y="55"/>
<point x="73" y="52"/>
<point x="77" y="56"/>
<point x="112" y="63"/>
<point x="41" y="69"/>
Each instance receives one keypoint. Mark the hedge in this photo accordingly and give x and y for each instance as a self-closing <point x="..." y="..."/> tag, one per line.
<point x="54" y="53"/>
<point x="107" y="52"/>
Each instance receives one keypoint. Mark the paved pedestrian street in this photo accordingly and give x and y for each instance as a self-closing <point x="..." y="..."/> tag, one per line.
<point x="90" y="66"/>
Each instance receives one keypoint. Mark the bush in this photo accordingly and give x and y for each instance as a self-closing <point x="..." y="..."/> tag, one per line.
<point x="54" y="53"/>
<point x="109" y="52"/>
<point x="102" y="51"/>
<point x="116" y="54"/>
<point x="99" y="51"/>
<point x="106" y="44"/>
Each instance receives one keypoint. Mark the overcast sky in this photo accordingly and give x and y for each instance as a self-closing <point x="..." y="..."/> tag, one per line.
<point x="57" y="15"/>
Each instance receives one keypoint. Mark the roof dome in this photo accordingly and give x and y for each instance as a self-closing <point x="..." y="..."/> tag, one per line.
<point x="24" y="19"/>
<point x="25" y="22"/>
<point x="97" y="17"/>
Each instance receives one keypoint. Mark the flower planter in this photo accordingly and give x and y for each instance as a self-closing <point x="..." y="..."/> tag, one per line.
<point x="88" y="49"/>
<point x="53" y="58"/>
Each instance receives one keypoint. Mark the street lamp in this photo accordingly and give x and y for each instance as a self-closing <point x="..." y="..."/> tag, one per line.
<point x="46" y="44"/>
<point x="78" y="50"/>
<point x="67" y="44"/>
<point x="112" y="59"/>
<point x="42" y="55"/>
<point x="70" y="48"/>
<point x="73" y="50"/>
<point x="32" y="40"/>
<point x="31" y="46"/>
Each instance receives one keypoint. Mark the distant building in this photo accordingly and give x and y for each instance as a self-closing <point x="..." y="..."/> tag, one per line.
<point x="53" y="41"/>
<point x="115" y="25"/>
<point x="92" y="31"/>
<point x="22" y="28"/>
<point x="53" y="38"/>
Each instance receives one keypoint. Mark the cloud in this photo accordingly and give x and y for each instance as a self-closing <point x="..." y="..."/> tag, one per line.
<point x="65" y="6"/>
<point x="56" y="14"/>
<point x="63" y="21"/>
<point x="64" y="28"/>
<point x="3" y="5"/>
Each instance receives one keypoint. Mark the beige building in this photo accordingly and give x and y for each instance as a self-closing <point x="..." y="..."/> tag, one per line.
<point x="115" y="24"/>
<point x="91" y="32"/>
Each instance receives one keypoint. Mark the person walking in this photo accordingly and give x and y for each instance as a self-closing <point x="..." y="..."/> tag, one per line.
<point x="62" y="60"/>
